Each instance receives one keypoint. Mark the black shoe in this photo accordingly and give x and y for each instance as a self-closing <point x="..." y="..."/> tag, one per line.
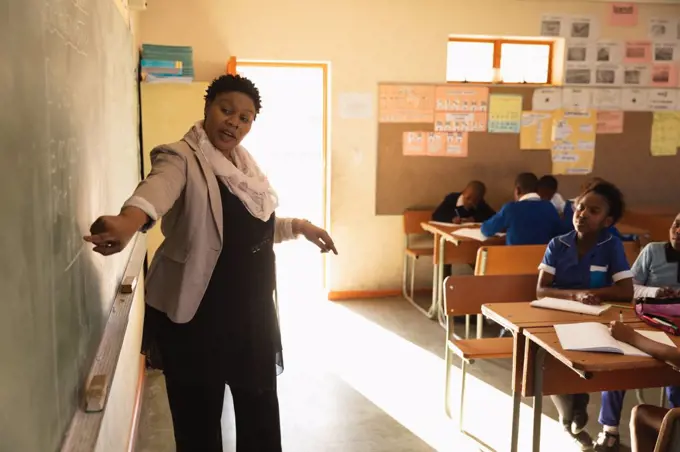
<point x="608" y="442"/>
<point x="582" y="438"/>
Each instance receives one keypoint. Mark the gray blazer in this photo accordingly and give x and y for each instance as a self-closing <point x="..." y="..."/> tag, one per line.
<point x="182" y="189"/>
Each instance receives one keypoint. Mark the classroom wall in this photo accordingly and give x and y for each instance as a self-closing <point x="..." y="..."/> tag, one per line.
<point x="366" y="42"/>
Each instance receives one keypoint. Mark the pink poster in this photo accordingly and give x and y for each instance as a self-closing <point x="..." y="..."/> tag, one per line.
<point x="413" y="143"/>
<point x="638" y="52"/>
<point x="609" y="122"/>
<point x="623" y="14"/>
<point x="456" y="144"/>
<point x="435" y="143"/>
<point x="665" y="75"/>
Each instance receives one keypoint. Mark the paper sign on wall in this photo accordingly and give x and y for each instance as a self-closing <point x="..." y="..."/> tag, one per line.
<point x="609" y="52"/>
<point x="505" y="113"/>
<point x="666" y="51"/>
<point x="665" y="133"/>
<point x="413" y="143"/>
<point x="623" y="14"/>
<point x="536" y="131"/>
<point x="462" y="98"/>
<point x="576" y="99"/>
<point x="634" y="99"/>
<point x="638" y="52"/>
<point x="573" y="142"/>
<point x="662" y="99"/>
<point x="406" y="103"/>
<point x="459" y="122"/>
<point x="662" y="29"/>
<point x="664" y="75"/>
<point x="636" y="75"/>
<point x="607" y="99"/>
<point x="435" y="144"/>
<point x="609" y="122"/>
<point x="547" y="99"/>
<point x="456" y="144"/>
<point x="355" y="105"/>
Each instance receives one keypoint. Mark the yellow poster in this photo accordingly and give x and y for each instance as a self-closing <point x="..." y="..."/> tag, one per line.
<point x="665" y="133"/>
<point x="505" y="113"/>
<point x="573" y="141"/>
<point x="536" y="131"/>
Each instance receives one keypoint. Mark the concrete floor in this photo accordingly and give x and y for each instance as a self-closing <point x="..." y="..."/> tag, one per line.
<point x="367" y="376"/>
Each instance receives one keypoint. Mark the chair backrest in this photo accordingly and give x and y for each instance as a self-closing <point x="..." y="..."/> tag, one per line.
<point x="632" y="250"/>
<point x="509" y="260"/>
<point x="466" y="294"/>
<point x="413" y="218"/>
<point x="656" y="222"/>
<point x="669" y="434"/>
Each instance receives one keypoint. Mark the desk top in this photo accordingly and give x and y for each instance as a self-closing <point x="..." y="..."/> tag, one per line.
<point x="591" y="362"/>
<point x="627" y="229"/>
<point x="447" y="233"/>
<point x="517" y="316"/>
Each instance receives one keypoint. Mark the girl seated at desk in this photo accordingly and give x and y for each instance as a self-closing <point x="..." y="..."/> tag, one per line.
<point x="645" y="424"/>
<point x="587" y="265"/>
<point x="656" y="274"/>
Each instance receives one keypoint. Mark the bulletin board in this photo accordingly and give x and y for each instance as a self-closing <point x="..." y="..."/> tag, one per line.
<point x="406" y="181"/>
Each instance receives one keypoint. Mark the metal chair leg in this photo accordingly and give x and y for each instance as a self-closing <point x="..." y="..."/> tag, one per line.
<point x="662" y="398"/>
<point x="461" y="412"/>
<point x="640" y="396"/>
<point x="413" y="278"/>
<point x="404" y="276"/>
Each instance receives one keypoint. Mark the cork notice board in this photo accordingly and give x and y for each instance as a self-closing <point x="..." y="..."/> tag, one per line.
<point x="404" y="182"/>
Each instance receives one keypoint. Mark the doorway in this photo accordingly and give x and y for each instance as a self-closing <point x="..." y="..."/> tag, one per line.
<point x="289" y="141"/>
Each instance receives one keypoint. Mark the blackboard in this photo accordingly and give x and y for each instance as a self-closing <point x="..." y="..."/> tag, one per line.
<point x="68" y="152"/>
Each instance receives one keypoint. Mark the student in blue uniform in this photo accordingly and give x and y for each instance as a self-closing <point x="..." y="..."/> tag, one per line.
<point x="568" y="212"/>
<point x="466" y="206"/>
<point x="587" y="265"/>
<point x="656" y="274"/>
<point x="528" y="220"/>
<point x="547" y="190"/>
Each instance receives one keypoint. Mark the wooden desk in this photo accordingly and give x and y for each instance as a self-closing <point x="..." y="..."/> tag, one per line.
<point x="628" y="229"/>
<point x="450" y="249"/>
<point x="515" y="317"/>
<point x="549" y="369"/>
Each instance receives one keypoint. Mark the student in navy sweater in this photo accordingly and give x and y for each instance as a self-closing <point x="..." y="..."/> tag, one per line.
<point x="466" y="206"/>
<point x="528" y="220"/>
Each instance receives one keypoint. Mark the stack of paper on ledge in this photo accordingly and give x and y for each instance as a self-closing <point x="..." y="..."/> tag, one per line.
<point x="559" y="304"/>
<point x="470" y="233"/>
<point x="595" y="337"/>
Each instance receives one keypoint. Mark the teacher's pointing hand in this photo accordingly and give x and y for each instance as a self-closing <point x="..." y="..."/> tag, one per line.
<point x="110" y="234"/>
<point x="316" y="235"/>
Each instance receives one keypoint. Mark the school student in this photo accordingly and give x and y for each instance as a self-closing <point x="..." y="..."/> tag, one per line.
<point x="528" y="220"/>
<point x="656" y="274"/>
<point x="646" y="420"/>
<point x="466" y="206"/>
<point x="568" y="212"/>
<point x="587" y="265"/>
<point x="547" y="190"/>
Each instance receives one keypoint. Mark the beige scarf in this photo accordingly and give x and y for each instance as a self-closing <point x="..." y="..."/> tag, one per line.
<point x="243" y="178"/>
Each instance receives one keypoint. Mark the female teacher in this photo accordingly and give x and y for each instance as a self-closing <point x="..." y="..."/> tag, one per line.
<point x="211" y="313"/>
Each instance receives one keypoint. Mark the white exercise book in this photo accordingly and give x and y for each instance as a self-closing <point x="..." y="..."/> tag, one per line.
<point x="442" y="223"/>
<point x="559" y="304"/>
<point x="470" y="233"/>
<point x="595" y="337"/>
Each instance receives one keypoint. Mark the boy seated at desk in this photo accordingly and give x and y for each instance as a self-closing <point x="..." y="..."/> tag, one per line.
<point x="528" y="220"/>
<point x="645" y="423"/>
<point x="587" y="265"/>
<point x="656" y="274"/>
<point x="467" y="206"/>
<point x="547" y="190"/>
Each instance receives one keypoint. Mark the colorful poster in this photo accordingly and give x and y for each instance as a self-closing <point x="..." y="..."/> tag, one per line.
<point x="665" y="75"/>
<point x="413" y="143"/>
<point x="536" y="132"/>
<point x="637" y="52"/>
<point x="435" y="143"/>
<point x="406" y="103"/>
<point x="662" y="99"/>
<point x="462" y="98"/>
<point x="607" y="99"/>
<point x="456" y="144"/>
<point x="573" y="142"/>
<point x="460" y="122"/>
<point x="665" y="133"/>
<point x="609" y="122"/>
<point x="505" y="113"/>
<point x="547" y="99"/>
<point x="623" y="14"/>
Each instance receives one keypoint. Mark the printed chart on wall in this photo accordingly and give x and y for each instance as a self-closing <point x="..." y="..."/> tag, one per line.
<point x="406" y="103"/>
<point x="505" y="113"/>
<point x="665" y="133"/>
<point x="536" y="130"/>
<point x="573" y="146"/>
<point x="461" y="109"/>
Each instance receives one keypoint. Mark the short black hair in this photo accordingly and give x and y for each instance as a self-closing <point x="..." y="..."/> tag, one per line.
<point x="527" y="182"/>
<point x="234" y="83"/>
<point x="612" y="195"/>
<point x="477" y="187"/>
<point x="548" y="182"/>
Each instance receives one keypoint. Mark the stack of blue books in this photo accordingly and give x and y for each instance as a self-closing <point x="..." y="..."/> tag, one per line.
<point x="167" y="64"/>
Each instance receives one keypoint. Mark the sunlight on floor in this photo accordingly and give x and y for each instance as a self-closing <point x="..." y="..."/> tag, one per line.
<point x="402" y="379"/>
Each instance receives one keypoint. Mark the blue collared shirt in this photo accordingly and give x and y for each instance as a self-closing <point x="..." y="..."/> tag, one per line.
<point x="602" y="266"/>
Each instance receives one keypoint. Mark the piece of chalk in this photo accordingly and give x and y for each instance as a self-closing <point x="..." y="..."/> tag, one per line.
<point x="95" y="395"/>
<point x="128" y="285"/>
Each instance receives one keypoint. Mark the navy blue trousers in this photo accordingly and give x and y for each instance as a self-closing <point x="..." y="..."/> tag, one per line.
<point x="612" y="405"/>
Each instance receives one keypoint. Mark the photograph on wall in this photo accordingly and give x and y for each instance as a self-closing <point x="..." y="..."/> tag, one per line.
<point x="608" y="75"/>
<point x="664" y="75"/>
<point x="665" y="51"/>
<point x="634" y="99"/>
<point x="583" y="28"/>
<point x="662" y="29"/>
<point x="578" y="52"/>
<point x="637" y="75"/>
<point x="638" y="52"/>
<point x="609" y="52"/>
<point x="578" y="74"/>
<point x="553" y="25"/>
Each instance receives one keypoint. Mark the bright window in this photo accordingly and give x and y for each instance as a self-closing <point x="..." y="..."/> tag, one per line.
<point x="498" y="61"/>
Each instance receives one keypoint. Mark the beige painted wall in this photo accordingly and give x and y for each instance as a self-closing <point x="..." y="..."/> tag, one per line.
<point x="366" y="41"/>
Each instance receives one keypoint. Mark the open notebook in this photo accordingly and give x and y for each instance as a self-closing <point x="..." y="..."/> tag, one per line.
<point x="471" y="233"/>
<point x="559" y="304"/>
<point x="595" y="337"/>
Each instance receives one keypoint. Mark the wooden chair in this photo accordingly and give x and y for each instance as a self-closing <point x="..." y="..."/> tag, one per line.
<point x="465" y="295"/>
<point x="669" y="434"/>
<point x="412" y="232"/>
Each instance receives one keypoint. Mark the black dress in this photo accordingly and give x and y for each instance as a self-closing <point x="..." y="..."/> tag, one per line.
<point x="234" y="336"/>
